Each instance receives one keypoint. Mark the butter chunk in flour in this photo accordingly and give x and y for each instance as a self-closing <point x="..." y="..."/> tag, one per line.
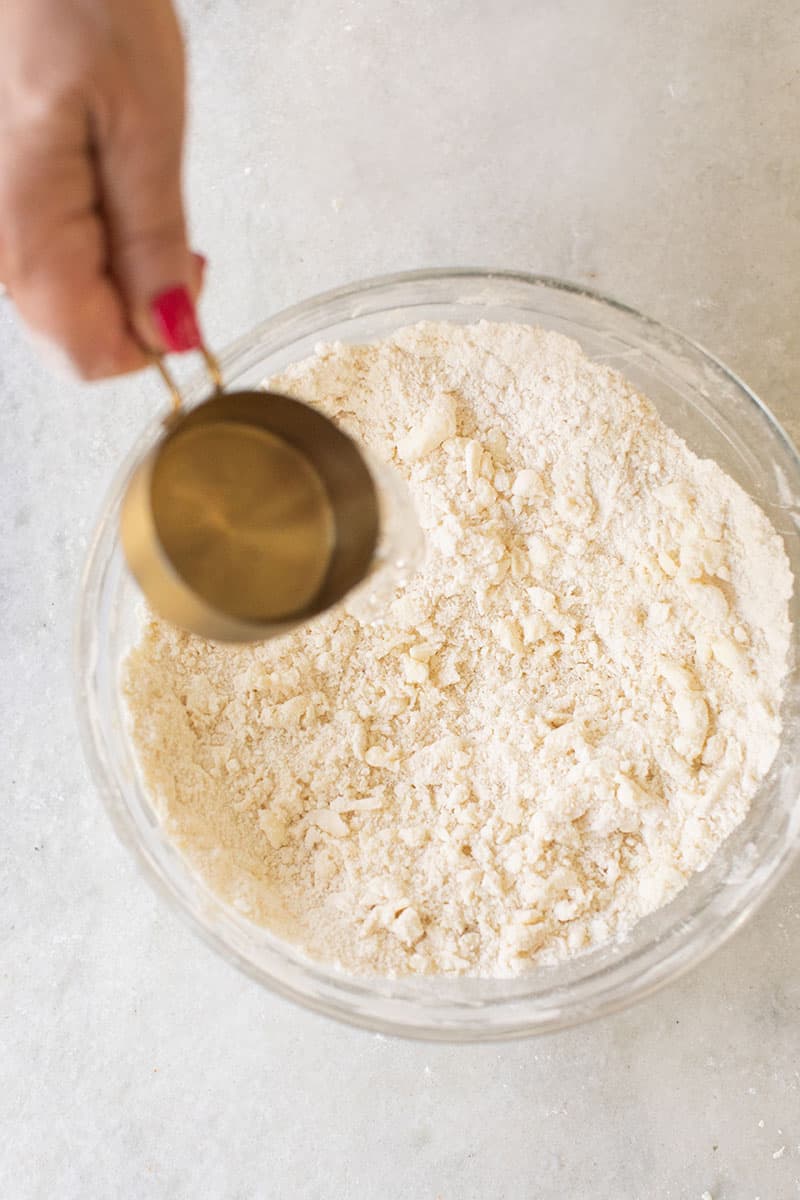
<point x="558" y="720"/>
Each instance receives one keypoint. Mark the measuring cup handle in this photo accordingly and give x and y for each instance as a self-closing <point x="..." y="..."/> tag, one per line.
<point x="212" y="366"/>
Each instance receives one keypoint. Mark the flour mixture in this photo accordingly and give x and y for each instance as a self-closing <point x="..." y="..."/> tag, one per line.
<point x="561" y="716"/>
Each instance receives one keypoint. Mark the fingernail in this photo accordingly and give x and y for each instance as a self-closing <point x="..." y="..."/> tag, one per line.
<point x="176" y="321"/>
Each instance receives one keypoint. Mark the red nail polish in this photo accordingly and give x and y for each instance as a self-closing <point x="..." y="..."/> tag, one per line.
<point x="176" y="321"/>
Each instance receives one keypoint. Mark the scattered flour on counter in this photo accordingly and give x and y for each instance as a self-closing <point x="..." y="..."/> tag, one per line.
<point x="560" y="718"/>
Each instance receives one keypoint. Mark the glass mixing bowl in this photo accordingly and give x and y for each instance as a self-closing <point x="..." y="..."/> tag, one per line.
<point x="719" y="418"/>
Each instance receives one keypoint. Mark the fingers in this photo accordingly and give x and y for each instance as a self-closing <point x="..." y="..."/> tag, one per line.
<point x="53" y="256"/>
<point x="92" y="227"/>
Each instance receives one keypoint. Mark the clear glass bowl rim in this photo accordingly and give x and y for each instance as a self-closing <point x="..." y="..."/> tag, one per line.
<point x="348" y="998"/>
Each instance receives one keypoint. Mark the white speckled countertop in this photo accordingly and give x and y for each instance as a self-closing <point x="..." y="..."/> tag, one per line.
<point x="649" y="150"/>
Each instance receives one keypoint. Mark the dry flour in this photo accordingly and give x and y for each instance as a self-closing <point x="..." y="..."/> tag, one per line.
<point x="559" y="719"/>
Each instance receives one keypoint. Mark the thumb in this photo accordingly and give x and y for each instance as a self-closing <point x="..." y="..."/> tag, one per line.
<point x="139" y="165"/>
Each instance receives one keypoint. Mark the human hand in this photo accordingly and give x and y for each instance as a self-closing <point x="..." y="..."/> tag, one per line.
<point x="93" y="246"/>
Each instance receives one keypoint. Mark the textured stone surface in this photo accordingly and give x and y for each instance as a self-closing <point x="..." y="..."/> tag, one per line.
<point x="649" y="150"/>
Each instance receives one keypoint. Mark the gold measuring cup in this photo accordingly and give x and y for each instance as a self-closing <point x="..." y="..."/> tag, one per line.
<point x="253" y="513"/>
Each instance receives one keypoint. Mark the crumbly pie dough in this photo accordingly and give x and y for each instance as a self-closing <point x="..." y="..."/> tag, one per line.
<point x="557" y="720"/>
